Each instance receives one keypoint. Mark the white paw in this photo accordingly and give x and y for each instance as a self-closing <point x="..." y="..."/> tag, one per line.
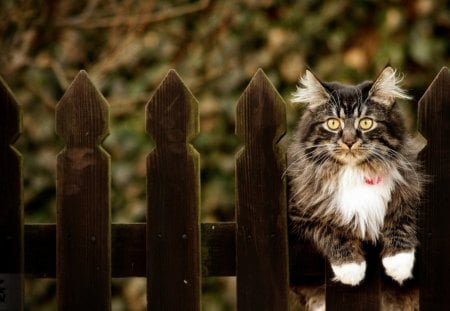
<point x="349" y="273"/>
<point x="399" y="266"/>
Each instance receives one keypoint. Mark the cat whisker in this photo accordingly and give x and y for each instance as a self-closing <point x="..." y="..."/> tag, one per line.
<point x="401" y="161"/>
<point x="305" y="155"/>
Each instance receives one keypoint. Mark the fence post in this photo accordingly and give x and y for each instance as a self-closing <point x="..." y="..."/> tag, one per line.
<point x="434" y="124"/>
<point x="261" y="235"/>
<point x="173" y="230"/>
<point x="11" y="210"/>
<point x="83" y="201"/>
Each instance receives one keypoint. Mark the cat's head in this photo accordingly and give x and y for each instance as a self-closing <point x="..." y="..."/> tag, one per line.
<point x="351" y="124"/>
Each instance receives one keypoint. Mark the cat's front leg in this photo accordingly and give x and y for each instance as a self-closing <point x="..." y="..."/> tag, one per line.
<point x="345" y="255"/>
<point x="399" y="245"/>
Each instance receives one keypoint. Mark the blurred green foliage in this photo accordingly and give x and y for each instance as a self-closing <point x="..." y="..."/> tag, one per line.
<point x="127" y="47"/>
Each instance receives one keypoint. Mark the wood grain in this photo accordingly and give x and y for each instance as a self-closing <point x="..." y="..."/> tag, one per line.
<point x="434" y="117"/>
<point x="173" y="232"/>
<point x="261" y="233"/>
<point x="365" y="296"/>
<point x="83" y="194"/>
<point x="11" y="208"/>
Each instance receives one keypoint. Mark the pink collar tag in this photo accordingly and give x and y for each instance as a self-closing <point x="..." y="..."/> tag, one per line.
<point x="372" y="181"/>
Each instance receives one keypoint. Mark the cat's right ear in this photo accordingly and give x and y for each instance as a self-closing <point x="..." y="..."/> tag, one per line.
<point x="310" y="91"/>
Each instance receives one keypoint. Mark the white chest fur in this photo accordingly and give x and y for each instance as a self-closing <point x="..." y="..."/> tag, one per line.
<point x="362" y="200"/>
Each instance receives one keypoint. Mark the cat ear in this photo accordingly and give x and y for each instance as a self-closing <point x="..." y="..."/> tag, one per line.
<point x="386" y="87"/>
<point x="310" y="91"/>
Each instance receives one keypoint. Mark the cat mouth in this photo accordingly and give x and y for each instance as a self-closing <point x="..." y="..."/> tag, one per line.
<point x="351" y="154"/>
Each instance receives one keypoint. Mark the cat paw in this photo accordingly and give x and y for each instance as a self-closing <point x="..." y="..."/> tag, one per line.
<point x="349" y="273"/>
<point x="399" y="266"/>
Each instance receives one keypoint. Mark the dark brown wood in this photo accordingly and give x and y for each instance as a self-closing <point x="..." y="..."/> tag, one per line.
<point x="128" y="251"/>
<point x="365" y="297"/>
<point x="434" y="124"/>
<point x="218" y="249"/>
<point x="306" y="266"/>
<point x="129" y="255"/>
<point x="82" y="194"/>
<point x="173" y="232"/>
<point x="11" y="209"/>
<point x="261" y="237"/>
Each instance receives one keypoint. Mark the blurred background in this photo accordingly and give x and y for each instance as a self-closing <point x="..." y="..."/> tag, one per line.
<point x="127" y="47"/>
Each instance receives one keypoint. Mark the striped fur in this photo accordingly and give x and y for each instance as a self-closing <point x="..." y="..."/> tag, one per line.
<point x="334" y="201"/>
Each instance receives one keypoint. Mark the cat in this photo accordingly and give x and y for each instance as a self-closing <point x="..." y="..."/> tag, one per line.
<point x="354" y="176"/>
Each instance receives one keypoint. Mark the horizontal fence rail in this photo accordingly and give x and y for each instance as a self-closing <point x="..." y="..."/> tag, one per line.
<point x="129" y="252"/>
<point x="83" y="250"/>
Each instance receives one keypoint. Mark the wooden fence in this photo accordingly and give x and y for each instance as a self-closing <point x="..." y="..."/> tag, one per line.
<point x="83" y="250"/>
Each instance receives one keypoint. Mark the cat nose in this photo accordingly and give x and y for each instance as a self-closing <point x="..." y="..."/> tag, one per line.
<point x="349" y="134"/>
<point x="349" y="141"/>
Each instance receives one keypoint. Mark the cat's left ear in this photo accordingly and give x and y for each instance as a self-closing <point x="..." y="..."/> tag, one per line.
<point x="386" y="88"/>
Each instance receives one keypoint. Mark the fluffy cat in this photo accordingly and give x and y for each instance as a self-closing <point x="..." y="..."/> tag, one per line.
<point x="353" y="175"/>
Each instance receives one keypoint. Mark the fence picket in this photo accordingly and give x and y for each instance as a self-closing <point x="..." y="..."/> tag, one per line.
<point x="434" y="112"/>
<point x="173" y="230"/>
<point x="365" y="297"/>
<point x="261" y="237"/>
<point x="83" y="207"/>
<point x="11" y="209"/>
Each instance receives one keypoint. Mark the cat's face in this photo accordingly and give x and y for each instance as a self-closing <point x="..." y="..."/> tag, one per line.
<point x="351" y="124"/>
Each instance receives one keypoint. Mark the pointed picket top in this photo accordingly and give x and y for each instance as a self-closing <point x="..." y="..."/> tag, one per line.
<point x="82" y="113"/>
<point x="435" y="99"/>
<point x="261" y="111"/>
<point x="172" y="112"/>
<point x="10" y="121"/>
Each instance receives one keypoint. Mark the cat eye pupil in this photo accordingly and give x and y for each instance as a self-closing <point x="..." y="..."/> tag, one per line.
<point x="333" y="124"/>
<point x="365" y="124"/>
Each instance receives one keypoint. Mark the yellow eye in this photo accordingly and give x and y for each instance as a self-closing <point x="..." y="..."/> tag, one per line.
<point x="365" y="124"/>
<point x="333" y="124"/>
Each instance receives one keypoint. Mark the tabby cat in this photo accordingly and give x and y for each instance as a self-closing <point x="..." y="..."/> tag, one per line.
<point x="353" y="175"/>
